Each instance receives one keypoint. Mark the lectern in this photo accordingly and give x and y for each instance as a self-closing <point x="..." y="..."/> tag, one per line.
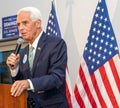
<point x="8" y="101"/>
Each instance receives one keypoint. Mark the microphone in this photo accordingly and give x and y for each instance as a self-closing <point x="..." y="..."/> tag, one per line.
<point x="18" y="46"/>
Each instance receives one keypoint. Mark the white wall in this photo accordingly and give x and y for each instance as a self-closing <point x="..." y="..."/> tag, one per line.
<point x="74" y="18"/>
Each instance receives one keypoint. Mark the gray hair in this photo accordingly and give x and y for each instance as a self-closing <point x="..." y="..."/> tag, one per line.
<point x="35" y="13"/>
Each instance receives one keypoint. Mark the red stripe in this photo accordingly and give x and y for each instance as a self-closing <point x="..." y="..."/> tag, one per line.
<point x="100" y="98"/>
<point x="87" y="89"/>
<point x="68" y="96"/>
<point x="78" y="97"/>
<point x="67" y="69"/>
<point x="108" y="87"/>
<point x="115" y="73"/>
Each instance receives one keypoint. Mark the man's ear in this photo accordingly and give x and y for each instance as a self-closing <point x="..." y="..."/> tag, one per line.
<point x="38" y="23"/>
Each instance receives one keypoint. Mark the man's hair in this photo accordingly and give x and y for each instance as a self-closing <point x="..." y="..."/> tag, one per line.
<point x="35" y="14"/>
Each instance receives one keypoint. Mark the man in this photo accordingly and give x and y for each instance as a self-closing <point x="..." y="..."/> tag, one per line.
<point x="45" y="82"/>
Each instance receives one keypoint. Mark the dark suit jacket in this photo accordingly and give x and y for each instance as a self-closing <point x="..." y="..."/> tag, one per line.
<point x="48" y="72"/>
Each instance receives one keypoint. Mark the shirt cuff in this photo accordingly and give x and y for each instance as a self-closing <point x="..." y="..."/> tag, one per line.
<point x="31" y="85"/>
<point x="14" y="72"/>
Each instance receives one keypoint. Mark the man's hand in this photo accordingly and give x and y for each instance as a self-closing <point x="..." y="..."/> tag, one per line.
<point x="19" y="86"/>
<point x="12" y="61"/>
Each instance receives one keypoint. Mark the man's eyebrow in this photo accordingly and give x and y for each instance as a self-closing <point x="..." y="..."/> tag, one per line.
<point x="25" y="21"/>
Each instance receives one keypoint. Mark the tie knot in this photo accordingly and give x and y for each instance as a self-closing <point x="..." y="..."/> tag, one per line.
<point x="31" y="48"/>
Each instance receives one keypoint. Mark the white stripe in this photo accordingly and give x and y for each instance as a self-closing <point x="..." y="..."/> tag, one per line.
<point x="102" y="88"/>
<point x="68" y="82"/>
<point x="88" y="79"/>
<point x="112" y="82"/>
<point x="117" y="63"/>
<point x="75" y="104"/>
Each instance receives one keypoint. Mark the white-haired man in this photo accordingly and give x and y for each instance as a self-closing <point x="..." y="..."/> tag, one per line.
<point x="45" y="81"/>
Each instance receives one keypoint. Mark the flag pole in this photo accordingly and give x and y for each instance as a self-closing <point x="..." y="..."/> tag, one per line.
<point x="52" y="0"/>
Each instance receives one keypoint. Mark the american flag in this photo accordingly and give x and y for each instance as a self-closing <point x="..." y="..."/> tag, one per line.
<point x="53" y="26"/>
<point x="98" y="83"/>
<point x="54" y="30"/>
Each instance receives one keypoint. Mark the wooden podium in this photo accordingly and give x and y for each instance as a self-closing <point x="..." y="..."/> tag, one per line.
<point x="8" y="101"/>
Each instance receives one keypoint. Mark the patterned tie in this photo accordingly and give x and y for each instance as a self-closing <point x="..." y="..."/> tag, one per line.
<point x="31" y="57"/>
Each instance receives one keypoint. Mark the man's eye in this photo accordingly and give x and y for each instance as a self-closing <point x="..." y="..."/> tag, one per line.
<point x="22" y="23"/>
<point x="25" y="22"/>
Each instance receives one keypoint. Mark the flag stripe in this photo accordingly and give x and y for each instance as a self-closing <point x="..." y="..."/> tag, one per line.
<point x="89" y="82"/>
<point x="95" y="85"/>
<point x="102" y="89"/>
<point x="82" y="97"/>
<point x="111" y="79"/>
<point x="100" y="84"/>
<point x="101" y="100"/>
<point x="86" y="87"/>
<point x="115" y="74"/>
<point x="107" y="86"/>
<point x="68" y="96"/>
<point x="78" y="97"/>
<point x="68" y="89"/>
<point x="117" y="64"/>
<point x="111" y="73"/>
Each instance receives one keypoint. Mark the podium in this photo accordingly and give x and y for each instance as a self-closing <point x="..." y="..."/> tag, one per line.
<point x="8" y="101"/>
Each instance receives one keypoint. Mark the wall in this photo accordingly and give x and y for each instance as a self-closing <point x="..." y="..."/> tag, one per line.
<point x="74" y="18"/>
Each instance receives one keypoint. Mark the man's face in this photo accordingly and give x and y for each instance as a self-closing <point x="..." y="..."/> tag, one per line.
<point x="27" y="27"/>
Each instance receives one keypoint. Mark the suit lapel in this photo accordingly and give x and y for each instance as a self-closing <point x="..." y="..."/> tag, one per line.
<point x="25" y="62"/>
<point x="40" y="45"/>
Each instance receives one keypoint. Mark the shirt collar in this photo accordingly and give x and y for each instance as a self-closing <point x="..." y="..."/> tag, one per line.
<point x="35" y="43"/>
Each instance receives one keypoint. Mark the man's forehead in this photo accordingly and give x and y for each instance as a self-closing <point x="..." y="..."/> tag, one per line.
<point x="23" y="15"/>
<point x="23" y="18"/>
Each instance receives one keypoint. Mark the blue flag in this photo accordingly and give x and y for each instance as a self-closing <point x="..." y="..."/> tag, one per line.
<point x="53" y="26"/>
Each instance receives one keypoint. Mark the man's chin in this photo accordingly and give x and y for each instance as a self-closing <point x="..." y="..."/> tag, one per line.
<point x="26" y="39"/>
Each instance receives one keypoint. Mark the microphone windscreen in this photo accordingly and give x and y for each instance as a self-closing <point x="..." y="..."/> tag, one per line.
<point x="20" y="41"/>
